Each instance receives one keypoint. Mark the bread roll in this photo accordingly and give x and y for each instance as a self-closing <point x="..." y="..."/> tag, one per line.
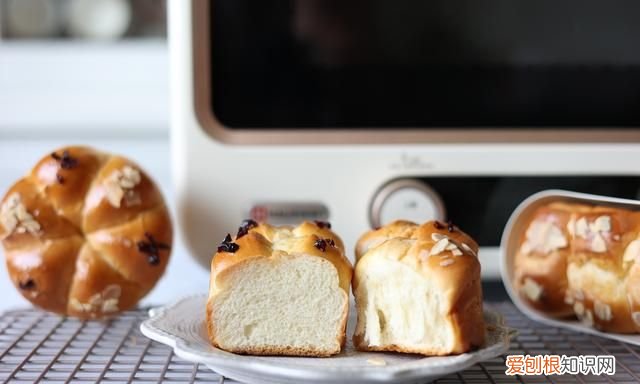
<point x="279" y="291"/>
<point x="602" y="271"/>
<point x="85" y="233"/>
<point x="541" y="262"/>
<point x="419" y="292"/>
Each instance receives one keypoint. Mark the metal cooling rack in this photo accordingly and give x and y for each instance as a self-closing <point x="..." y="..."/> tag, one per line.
<point x="39" y="347"/>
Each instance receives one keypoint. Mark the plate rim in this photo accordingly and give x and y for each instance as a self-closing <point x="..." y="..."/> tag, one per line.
<point x="182" y="348"/>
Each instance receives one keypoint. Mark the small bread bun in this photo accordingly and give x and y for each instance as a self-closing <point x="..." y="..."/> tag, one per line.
<point x="85" y="234"/>
<point x="602" y="270"/>
<point x="541" y="261"/>
<point x="419" y="291"/>
<point x="279" y="291"/>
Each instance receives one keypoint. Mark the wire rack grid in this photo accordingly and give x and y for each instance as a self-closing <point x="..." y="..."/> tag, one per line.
<point x="40" y="347"/>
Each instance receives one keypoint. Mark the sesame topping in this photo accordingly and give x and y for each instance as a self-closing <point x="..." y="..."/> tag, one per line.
<point x="543" y="237"/>
<point x="105" y="301"/>
<point x="632" y="252"/>
<point x="437" y="236"/>
<point x="440" y="246"/>
<point x="602" y="224"/>
<point x="598" y="244"/>
<point x="531" y="289"/>
<point x="581" y="227"/>
<point x="587" y="319"/>
<point x="444" y="243"/>
<point x="15" y="217"/>
<point x="228" y="245"/>
<point x="602" y="311"/>
<point x="594" y="231"/>
<point x="635" y="316"/>
<point x="446" y="262"/>
<point x="120" y="184"/>
<point x="568" y="299"/>
<point x="468" y="249"/>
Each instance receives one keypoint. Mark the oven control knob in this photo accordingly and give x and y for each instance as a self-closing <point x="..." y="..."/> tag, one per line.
<point x="406" y="199"/>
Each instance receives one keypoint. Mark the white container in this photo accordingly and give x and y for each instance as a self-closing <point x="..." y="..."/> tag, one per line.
<point x="511" y="240"/>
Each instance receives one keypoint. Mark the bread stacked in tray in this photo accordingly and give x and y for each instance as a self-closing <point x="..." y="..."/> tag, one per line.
<point x="580" y="260"/>
<point x="285" y="290"/>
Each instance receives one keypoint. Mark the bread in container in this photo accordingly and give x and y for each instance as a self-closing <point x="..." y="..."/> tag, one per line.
<point x="419" y="292"/>
<point x="373" y="238"/>
<point x="540" y="265"/>
<point x="594" y="267"/>
<point x="602" y="271"/>
<point x="85" y="233"/>
<point x="279" y="291"/>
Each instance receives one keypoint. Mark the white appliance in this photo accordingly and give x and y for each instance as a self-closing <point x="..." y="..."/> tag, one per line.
<point x="290" y="112"/>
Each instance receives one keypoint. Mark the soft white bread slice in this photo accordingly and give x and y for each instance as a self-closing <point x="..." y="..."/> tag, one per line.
<point x="279" y="291"/>
<point x="420" y="293"/>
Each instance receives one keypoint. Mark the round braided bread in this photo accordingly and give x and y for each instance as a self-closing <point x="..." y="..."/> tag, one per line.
<point x="85" y="233"/>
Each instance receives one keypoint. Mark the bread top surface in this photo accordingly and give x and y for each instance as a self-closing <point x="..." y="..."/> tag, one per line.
<point x="78" y="200"/>
<point x="439" y="252"/>
<point x="604" y="241"/>
<point x="602" y="235"/>
<point x="265" y="240"/>
<point x="583" y="233"/>
<point x="547" y="231"/>
<point x="375" y="237"/>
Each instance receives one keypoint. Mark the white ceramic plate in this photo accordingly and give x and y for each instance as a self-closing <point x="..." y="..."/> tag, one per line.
<point x="182" y="327"/>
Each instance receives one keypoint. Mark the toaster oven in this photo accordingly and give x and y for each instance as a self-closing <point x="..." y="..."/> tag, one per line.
<point x="361" y="112"/>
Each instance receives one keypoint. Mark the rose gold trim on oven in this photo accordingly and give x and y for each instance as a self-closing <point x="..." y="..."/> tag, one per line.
<point x="211" y="125"/>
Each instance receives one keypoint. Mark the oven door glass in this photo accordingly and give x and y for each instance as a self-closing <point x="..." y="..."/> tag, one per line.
<point x="425" y="64"/>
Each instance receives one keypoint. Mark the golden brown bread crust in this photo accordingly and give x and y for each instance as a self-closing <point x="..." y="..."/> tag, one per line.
<point x="375" y="237"/>
<point x="259" y="241"/>
<point x="595" y="276"/>
<point x="81" y="233"/>
<point x="541" y="261"/>
<point x="601" y="282"/>
<point x="454" y="271"/>
<point x="264" y="241"/>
